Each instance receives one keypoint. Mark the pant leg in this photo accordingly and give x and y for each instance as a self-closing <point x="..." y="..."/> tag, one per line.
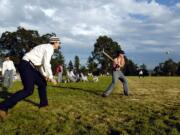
<point x="10" y="78"/>
<point x="124" y="81"/>
<point x="60" y="77"/>
<point x="72" y="79"/>
<point x="113" y="83"/>
<point x="26" y="73"/>
<point x="6" y="79"/>
<point x="41" y="83"/>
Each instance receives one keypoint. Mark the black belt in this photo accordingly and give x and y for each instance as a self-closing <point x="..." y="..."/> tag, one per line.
<point x="34" y="66"/>
<point x="116" y="69"/>
<point x="8" y="69"/>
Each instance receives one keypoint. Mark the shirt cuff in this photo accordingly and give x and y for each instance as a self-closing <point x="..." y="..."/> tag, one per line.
<point x="51" y="77"/>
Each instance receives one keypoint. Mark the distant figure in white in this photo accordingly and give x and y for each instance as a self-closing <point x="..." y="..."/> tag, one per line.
<point x="141" y="74"/>
<point x="90" y="74"/>
<point x="107" y="74"/>
<point x="8" y="71"/>
<point x="71" y="76"/>
<point x="83" y="77"/>
<point x="95" y="79"/>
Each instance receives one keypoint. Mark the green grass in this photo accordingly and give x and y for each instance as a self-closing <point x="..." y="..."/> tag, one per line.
<point x="153" y="108"/>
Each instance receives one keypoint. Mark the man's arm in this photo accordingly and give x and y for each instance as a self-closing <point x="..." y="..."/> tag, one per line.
<point x="47" y="66"/>
<point x="13" y="67"/>
<point x="3" y="68"/>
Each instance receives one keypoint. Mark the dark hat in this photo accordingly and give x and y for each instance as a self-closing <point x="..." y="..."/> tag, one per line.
<point x="7" y="55"/>
<point x="120" y="52"/>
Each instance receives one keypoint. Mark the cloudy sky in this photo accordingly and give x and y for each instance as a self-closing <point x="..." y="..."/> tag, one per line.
<point x="145" y="29"/>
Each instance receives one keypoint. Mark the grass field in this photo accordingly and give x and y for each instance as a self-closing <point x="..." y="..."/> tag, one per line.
<point x="153" y="108"/>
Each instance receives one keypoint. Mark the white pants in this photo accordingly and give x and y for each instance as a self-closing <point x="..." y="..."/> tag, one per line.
<point x="60" y="77"/>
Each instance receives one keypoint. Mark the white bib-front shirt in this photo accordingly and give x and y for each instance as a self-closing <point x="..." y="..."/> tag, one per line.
<point x="8" y="65"/>
<point x="41" y="56"/>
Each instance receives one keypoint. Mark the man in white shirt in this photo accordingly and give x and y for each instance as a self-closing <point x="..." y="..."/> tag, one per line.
<point x="83" y="77"/>
<point x="34" y="68"/>
<point x="141" y="74"/>
<point x="71" y="76"/>
<point x="8" y="70"/>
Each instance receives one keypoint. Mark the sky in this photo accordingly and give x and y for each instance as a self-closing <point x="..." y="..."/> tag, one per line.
<point x="145" y="29"/>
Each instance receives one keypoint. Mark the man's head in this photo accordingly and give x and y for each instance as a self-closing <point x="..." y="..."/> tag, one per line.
<point x="55" y="41"/>
<point x="7" y="57"/>
<point x="120" y="53"/>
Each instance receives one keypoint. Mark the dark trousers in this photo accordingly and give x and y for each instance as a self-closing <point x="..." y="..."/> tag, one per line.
<point x="29" y="76"/>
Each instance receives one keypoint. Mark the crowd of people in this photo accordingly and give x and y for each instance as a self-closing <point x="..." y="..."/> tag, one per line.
<point x="72" y="75"/>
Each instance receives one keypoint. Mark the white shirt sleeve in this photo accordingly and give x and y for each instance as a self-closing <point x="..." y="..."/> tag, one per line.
<point x="46" y="63"/>
<point x="3" y="68"/>
<point x="41" y="70"/>
<point x="13" y="67"/>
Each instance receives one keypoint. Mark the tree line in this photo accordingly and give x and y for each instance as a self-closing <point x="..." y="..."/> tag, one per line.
<point x="167" y="68"/>
<point x="17" y="43"/>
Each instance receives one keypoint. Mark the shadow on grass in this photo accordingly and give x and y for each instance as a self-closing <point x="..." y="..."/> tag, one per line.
<point x="4" y="94"/>
<point x="80" y="89"/>
<point x="114" y="132"/>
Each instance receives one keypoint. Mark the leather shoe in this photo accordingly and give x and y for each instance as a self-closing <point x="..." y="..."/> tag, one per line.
<point x="3" y="114"/>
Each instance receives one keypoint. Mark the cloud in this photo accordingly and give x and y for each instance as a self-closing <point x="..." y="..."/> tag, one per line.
<point x="138" y="25"/>
<point x="27" y="25"/>
<point x="85" y="30"/>
<point x="150" y="42"/>
<point x="178" y="5"/>
<point x="49" y="12"/>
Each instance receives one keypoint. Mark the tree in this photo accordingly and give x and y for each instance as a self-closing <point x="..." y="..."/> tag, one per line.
<point x="21" y="41"/>
<point x="130" y="68"/>
<point x="101" y="64"/>
<point x="167" y="68"/>
<point x="109" y="46"/>
<point x="77" y="64"/>
<point x="84" y="70"/>
<point x="158" y="70"/>
<point x="91" y="65"/>
<point x="70" y="65"/>
<point x="178" y="69"/>
<point x="57" y="59"/>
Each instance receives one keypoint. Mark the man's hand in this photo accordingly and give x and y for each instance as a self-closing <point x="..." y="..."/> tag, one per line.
<point x="46" y="78"/>
<point x="51" y="80"/>
<point x="54" y="81"/>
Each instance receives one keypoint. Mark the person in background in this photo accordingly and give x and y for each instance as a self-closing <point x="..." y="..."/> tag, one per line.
<point x="71" y="76"/>
<point x="8" y="71"/>
<point x="141" y="74"/>
<point x="59" y="71"/>
<point x="118" y="63"/>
